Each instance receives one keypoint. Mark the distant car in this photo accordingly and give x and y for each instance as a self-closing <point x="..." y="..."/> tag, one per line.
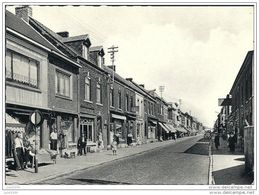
<point x="207" y="135"/>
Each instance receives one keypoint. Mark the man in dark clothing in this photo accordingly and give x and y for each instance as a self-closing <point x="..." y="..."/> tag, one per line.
<point x="231" y="143"/>
<point x="79" y="146"/>
<point x="216" y="140"/>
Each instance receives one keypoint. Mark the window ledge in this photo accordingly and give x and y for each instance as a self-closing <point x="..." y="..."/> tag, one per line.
<point x="13" y="84"/>
<point x="99" y="104"/>
<point x="88" y="101"/>
<point x="112" y="107"/>
<point x="63" y="97"/>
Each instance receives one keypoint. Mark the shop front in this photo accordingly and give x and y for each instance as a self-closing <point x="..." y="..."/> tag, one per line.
<point x="118" y="129"/>
<point x="152" y="126"/>
<point x="131" y="129"/>
<point x="139" y="131"/>
<point x="87" y="132"/>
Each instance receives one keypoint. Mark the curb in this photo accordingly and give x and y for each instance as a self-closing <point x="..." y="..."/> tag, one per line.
<point x="211" y="179"/>
<point x="97" y="165"/>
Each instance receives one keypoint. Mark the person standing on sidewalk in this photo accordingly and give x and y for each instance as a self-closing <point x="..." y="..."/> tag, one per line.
<point x="114" y="147"/>
<point x="53" y="140"/>
<point x="19" y="149"/>
<point x="216" y="140"/>
<point x="231" y="143"/>
<point x="79" y="146"/>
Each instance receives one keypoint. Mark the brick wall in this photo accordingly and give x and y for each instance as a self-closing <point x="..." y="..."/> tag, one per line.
<point x="58" y="103"/>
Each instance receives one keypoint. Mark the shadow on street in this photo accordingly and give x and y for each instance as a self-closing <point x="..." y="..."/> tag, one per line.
<point x="232" y="175"/>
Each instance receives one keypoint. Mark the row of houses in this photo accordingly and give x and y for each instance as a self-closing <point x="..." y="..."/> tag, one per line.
<point x="237" y="108"/>
<point x="65" y="77"/>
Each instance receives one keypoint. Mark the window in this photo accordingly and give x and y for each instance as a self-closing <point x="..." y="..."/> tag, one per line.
<point x="85" y="52"/>
<point x="22" y="69"/>
<point x="86" y="128"/>
<point x="119" y="99"/>
<point x="62" y="83"/>
<point x="131" y="103"/>
<point x="98" y="93"/>
<point x="87" y="89"/>
<point x="127" y="102"/>
<point x="111" y="97"/>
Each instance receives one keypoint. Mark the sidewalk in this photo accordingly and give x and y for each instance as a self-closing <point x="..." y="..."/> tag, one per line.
<point x="66" y="166"/>
<point x="228" y="168"/>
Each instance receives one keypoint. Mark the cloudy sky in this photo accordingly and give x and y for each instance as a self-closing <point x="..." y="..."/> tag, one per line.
<point x="195" y="52"/>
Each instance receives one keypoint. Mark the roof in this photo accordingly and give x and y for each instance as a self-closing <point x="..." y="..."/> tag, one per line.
<point x="142" y="89"/>
<point x="20" y="26"/>
<point x="96" y="48"/>
<point x="120" y="79"/>
<point x="76" y="38"/>
<point x="55" y="37"/>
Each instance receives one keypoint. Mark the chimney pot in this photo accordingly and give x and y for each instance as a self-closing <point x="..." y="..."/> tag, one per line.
<point x="24" y="12"/>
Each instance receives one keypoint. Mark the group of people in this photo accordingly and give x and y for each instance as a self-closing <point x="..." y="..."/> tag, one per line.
<point x="232" y="141"/>
<point x="21" y="150"/>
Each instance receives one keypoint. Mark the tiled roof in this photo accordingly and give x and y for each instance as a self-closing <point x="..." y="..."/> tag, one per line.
<point x="20" y="26"/>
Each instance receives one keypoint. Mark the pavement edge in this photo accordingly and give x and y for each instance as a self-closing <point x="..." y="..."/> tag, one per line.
<point x="211" y="179"/>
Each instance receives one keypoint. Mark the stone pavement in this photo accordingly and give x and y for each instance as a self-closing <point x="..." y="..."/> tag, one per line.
<point x="66" y="166"/>
<point x="228" y="168"/>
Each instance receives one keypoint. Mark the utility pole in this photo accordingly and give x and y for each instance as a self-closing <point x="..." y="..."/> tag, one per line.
<point x="161" y="89"/>
<point x="111" y="51"/>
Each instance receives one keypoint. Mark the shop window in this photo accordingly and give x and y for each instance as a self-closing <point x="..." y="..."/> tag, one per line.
<point x="67" y="127"/>
<point x="63" y="83"/>
<point x="22" y="69"/>
<point x="98" y="93"/>
<point x="87" y="88"/>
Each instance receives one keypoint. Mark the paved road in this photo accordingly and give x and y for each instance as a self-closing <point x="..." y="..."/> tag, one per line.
<point x="167" y="165"/>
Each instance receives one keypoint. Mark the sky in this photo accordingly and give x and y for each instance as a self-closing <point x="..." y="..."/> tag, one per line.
<point x="194" y="51"/>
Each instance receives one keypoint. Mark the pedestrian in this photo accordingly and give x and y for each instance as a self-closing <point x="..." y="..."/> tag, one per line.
<point x="53" y="140"/>
<point x="114" y="146"/>
<point x="84" y="144"/>
<point x="19" y="151"/>
<point x="79" y="146"/>
<point x="216" y="140"/>
<point x="231" y="143"/>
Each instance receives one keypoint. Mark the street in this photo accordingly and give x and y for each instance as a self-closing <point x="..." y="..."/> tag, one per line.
<point x="179" y="163"/>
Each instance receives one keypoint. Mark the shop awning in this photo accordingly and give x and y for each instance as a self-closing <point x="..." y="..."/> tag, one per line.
<point x="163" y="127"/>
<point x="118" y="117"/>
<point x="180" y="129"/>
<point x="13" y="124"/>
<point x="170" y="127"/>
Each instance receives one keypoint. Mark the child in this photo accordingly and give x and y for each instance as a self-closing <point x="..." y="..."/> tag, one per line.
<point x="114" y="147"/>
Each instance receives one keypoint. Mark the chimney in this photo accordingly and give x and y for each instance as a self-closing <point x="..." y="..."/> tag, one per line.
<point x="112" y="67"/>
<point x="142" y="85"/>
<point x="129" y="79"/>
<point x="64" y="34"/>
<point x="23" y="12"/>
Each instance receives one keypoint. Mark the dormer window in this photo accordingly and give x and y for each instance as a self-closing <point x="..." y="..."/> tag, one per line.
<point x="85" y="52"/>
